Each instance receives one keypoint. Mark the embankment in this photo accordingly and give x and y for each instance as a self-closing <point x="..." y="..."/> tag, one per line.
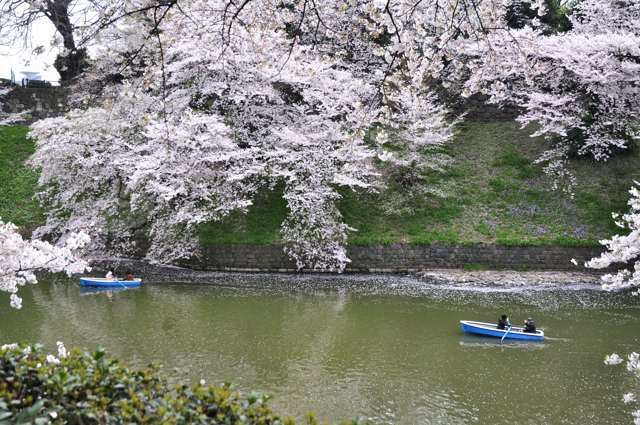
<point x="397" y="258"/>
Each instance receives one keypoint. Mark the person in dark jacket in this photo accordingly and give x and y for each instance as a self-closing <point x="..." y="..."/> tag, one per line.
<point x="503" y="322"/>
<point x="529" y="326"/>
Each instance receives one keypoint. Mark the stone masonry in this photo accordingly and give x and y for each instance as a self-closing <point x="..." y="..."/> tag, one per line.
<point x="399" y="258"/>
<point x="478" y="108"/>
<point x="43" y="102"/>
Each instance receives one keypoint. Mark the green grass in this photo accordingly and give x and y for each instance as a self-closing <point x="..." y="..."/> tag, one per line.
<point x="508" y="199"/>
<point x="425" y="221"/>
<point x="18" y="182"/>
<point x="260" y="226"/>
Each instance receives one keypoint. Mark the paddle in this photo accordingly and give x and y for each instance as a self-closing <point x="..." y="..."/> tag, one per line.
<point x="505" y="334"/>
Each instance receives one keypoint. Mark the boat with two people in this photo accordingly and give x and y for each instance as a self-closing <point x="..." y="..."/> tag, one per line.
<point x="104" y="282"/>
<point x="490" y="329"/>
<point x="111" y="281"/>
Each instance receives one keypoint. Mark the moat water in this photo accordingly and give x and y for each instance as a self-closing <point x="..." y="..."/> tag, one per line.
<point x="389" y="349"/>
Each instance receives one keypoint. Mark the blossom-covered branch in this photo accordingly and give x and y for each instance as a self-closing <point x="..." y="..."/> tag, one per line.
<point x="19" y="259"/>
<point x="622" y="249"/>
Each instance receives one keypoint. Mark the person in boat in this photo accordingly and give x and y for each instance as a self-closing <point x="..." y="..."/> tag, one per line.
<point x="503" y="322"/>
<point x="129" y="276"/>
<point x="529" y="326"/>
<point x="110" y="276"/>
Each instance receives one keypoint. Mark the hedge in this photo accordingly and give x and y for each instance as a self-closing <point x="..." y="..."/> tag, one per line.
<point x="88" y="388"/>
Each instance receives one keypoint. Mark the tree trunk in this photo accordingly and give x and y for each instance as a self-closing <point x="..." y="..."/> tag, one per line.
<point x="59" y="16"/>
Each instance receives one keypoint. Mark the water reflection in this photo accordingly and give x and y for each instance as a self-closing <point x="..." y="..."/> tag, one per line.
<point x="390" y="349"/>
<point x="84" y="290"/>
<point x="471" y="340"/>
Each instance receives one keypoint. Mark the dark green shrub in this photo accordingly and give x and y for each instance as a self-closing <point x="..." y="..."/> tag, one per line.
<point x="87" y="388"/>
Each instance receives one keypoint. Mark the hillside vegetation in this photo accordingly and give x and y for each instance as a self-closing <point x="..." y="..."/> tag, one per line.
<point x="492" y="193"/>
<point x="18" y="182"/>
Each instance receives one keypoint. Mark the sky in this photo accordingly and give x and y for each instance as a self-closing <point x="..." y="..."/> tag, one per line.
<point x="41" y="65"/>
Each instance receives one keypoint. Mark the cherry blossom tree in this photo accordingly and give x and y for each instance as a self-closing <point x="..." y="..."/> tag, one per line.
<point x="19" y="259"/>
<point x="193" y="106"/>
<point x="579" y="86"/>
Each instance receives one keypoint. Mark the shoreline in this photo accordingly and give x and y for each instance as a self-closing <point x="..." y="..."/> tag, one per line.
<point x="508" y="278"/>
<point x="445" y="276"/>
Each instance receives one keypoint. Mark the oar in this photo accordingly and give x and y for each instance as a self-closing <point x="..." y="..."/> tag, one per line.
<point x="505" y="334"/>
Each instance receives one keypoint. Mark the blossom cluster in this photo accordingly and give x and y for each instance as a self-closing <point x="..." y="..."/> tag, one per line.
<point x="633" y="365"/>
<point x="19" y="259"/>
<point x="62" y="352"/>
<point x="622" y="249"/>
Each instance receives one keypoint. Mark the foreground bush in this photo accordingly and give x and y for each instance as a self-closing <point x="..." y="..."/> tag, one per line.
<point x="87" y="388"/>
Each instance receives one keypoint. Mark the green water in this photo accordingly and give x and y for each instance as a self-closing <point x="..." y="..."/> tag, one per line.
<point x="388" y="349"/>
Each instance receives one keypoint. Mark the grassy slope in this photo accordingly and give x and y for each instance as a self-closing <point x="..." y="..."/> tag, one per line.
<point x="493" y="194"/>
<point x="507" y="197"/>
<point x="17" y="181"/>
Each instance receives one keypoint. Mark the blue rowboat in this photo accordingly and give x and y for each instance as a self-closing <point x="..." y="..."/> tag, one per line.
<point x="104" y="282"/>
<point x="491" y="329"/>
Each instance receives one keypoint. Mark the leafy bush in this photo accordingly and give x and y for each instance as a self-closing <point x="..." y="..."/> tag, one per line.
<point x="87" y="388"/>
<point x="61" y="64"/>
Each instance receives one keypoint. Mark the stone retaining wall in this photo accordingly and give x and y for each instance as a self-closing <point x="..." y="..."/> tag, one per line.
<point x="478" y="108"/>
<point x="400" y="258"/>
<point x="43" y="102"/>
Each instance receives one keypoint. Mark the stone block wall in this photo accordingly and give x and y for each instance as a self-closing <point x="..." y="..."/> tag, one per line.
<point x="478" y="108"/>
<point x="399" y="258"/>
<point x="43" y="102"/>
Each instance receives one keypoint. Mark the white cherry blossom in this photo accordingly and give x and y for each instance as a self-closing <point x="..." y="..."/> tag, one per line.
<point x="622" y="249"/>
<point x="19" y="259"/>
